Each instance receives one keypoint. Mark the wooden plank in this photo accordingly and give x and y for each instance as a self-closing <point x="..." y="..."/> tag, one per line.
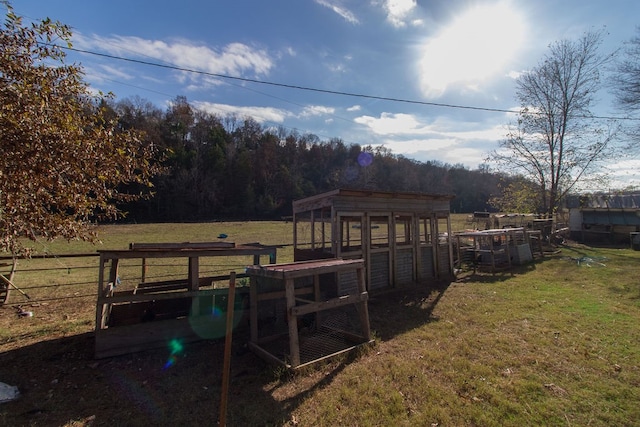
<point x="328" y="304"/>
<point x="160" y="287"/>
<point x="266" y="355"/>
<point x="184" y="245"/>
<point x="203" y="281"/>
<point x="337" y="353"/>
<point x="177" y="253"/>
<point x="304" y="268"/>
<point x="167" y="295"/>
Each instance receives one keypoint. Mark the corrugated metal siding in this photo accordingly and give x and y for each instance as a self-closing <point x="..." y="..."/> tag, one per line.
<point x="607" y="217"/>
<point x="379" y="271"/>
<point x="404" y="266"/>
<point x="616" y="201"/>
<point x="443" y="260"/>
<point x="426" y="254"/>
<point x="347" y="283"/>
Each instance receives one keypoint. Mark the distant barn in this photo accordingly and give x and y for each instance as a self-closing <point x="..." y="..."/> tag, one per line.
<point x="403" y="238"/>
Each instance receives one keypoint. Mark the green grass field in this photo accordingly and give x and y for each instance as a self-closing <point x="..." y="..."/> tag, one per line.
<point x="555" y="343"/>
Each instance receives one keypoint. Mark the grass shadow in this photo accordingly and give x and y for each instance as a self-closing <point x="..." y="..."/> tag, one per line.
<point x="480" y="276"/>
<point x="394" y="312"/>
<point x="60" y="383"/>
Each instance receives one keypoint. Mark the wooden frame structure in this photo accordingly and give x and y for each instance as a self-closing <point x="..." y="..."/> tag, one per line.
<point x="497" y="249"/>
<point x="299" y="292"/>
<point x="403" y="238"/>
<point x="145" y="315"/>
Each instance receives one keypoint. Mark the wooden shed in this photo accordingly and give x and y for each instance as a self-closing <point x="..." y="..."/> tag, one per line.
<point x="403" y="238"/>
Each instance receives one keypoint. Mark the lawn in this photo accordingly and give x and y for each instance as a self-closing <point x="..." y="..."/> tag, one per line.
<point x="555" y="343"/>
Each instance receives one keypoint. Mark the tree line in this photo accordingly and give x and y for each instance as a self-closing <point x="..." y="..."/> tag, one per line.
<point x="230" y="167"/>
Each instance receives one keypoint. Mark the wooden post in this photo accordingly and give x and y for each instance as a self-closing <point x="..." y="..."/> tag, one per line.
<point x="362" y="307"/>
<point x="253" y="308"/>
<point x="450" y="240"/>
<point x="194" y="283"/>
<point x="316" y="292"/>
<point x="313" y="230"/>
<point x="144" y="270"/>
<point x="294" y="344"/>
<point x="226" y="367"/>
<point x="100" y="307"/>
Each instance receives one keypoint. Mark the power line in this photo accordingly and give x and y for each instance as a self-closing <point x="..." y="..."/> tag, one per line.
<point x="317" y="90"/>
<point x="285" y="85"/>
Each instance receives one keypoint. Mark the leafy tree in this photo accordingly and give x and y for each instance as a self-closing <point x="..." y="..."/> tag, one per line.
<point x="556" y="142"/>
<point x="518" y="195"/>
<point x="63" y="160"/>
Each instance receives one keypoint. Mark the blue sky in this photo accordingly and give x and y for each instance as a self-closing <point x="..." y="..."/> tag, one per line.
<point x="455" y="52"/>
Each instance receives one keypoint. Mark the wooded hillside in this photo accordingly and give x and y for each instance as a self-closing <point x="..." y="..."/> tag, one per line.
<point x="221" y="167"/>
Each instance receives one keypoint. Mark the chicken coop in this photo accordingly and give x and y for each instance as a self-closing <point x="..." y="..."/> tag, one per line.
<point x="497" y="249"/>
<point x="299" y="314"/>
<point x="402" y="238"/>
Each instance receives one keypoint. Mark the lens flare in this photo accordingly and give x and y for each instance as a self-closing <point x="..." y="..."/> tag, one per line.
<point x="175" y="348"/>
<point x="365" y="159"/>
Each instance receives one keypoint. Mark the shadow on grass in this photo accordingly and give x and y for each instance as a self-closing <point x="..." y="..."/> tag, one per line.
<point x="482" y="276"/>
<point x="62" y="384"/>
<point x="395" y="312"/>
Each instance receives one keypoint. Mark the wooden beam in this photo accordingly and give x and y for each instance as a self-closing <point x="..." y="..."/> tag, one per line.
<point x="185" y="245"/>
<point x="313" y="307"/>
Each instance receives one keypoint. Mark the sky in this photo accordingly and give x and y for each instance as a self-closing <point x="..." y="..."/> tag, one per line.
<point x="431" y="72"/>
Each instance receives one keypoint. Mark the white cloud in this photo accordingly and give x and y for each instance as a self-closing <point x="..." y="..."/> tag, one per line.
<point x="337" y="68"/>
<point x="339" y="9"/>
<point x="316" y="110"/>
<point x="514" y="74"/>
<point x="413" y="146"/>
<point x="398" y="11"/>
<point x="492" y="133"/>
<point x="393" y="124"/>
<point x="449" y="141"/>
<point x="233" y="59"/>
<point x="354" y="108"/>
<point x="259" y="114"/>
